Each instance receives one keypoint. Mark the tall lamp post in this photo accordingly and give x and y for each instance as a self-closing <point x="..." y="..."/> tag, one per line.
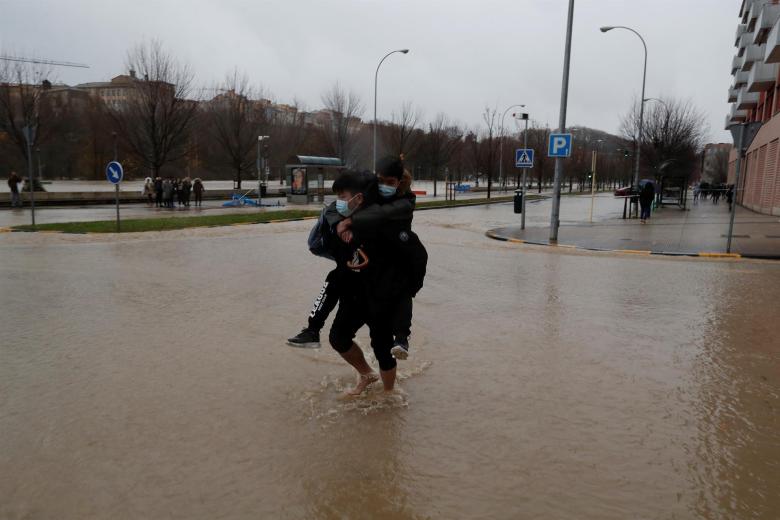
<point x="556" y="202"/>
<point x="641" y="105"/>
<point x="376" y="77"/>
<point x="501" y="144"/>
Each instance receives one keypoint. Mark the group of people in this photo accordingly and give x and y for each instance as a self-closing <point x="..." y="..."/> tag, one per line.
<point x="380" y="267"/>
<point x="162" y="193"/>
<point x="714" y="192"/>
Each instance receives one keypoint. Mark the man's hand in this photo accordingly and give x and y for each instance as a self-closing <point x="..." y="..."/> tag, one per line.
<point x="346" y="236"/>
<point x="343" y="226"/>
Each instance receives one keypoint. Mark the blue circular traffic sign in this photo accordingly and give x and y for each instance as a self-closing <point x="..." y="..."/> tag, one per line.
<point x="114" y="172"/>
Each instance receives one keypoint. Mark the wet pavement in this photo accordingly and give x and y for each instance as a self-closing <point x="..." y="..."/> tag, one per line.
<point x="145" y="376"/>
<point x="703" y="228"/>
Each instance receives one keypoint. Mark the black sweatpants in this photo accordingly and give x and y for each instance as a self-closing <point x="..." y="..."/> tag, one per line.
<point x="329" y="296"/>
<point x="402" y="320"/>
<point x="356" y="311"/>
<point x="325" y="302"/>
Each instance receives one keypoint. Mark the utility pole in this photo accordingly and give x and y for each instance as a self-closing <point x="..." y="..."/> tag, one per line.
<point x="556" y="203"/>
<point x="28" y="135"/>
<point x="743" y="135"/>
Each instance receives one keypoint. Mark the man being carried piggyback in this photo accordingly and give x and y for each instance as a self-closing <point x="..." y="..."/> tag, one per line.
<point x="380" y="267"/>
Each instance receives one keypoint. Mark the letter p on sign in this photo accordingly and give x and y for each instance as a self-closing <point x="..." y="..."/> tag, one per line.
<point x="559" y="145"/>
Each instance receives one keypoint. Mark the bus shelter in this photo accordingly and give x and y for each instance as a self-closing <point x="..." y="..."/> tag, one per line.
<point x="672" y="184"/>
<point x="306" y="176"/>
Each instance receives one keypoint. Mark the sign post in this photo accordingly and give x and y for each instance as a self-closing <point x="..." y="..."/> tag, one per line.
<point x="114" y="175"/>
<point x="524" y="158"/>
<point x="556" y="202"/>
<point x="743" y="137"/>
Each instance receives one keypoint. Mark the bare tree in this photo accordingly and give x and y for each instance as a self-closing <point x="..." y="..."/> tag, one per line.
<point x="236" y="118"/>
<point x="490" y="145"/>
<point x="672" y="136"/>
<point x="156" y="119"/>
<point x="22" y="90"/>
<point x="345" y="109"/>
<point x="538" y="136"/>
<point x="400" y="135"/>
<point x="440" y="143"/>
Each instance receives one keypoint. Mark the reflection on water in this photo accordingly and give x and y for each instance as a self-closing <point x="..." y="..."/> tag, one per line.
<point x="738" y="445"/>
<point x="148" y="378"/>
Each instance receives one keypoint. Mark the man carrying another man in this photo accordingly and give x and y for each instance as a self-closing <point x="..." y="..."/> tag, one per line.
<point x="380" y="266"/>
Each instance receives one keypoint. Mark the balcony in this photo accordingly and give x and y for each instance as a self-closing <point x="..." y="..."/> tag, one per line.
<point x="753" y="12"/>
<point x="733" y="94"/>
<point x="741" y="28"/>
<point x="738" y="115"/>
<point x="762" y="77"/>
<point x="745" y="41"/>
<point x="747" y="100"/>
<point x="753" y="54"/>
<point x="773" y="44"/>
<point x="741" y="79"/>
<point x="743" y="11"/>
<point x="736" y="64"/>
<point x="769" y="14"/>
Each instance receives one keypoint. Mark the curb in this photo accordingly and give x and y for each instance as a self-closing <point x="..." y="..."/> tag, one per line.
<point x="635" y="252"/>
<point x="479" y="202"/>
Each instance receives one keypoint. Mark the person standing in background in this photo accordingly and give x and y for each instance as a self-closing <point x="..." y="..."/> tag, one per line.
<point x="13" y="184"/>
<point x="198" y="188"/>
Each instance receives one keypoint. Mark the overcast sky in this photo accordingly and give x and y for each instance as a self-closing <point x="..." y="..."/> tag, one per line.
<point x="465" y="55"/>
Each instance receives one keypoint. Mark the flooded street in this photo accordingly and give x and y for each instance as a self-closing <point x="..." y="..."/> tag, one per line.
<point x="146" y="376"/>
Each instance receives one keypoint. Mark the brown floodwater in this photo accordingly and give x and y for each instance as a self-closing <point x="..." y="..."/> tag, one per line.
<point x="147" y="377"/>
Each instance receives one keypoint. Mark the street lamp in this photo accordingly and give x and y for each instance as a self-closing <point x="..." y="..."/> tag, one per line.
<point x="376" y="77"/>
<point x="501" y="144"/>
<point x="641" y="105"/>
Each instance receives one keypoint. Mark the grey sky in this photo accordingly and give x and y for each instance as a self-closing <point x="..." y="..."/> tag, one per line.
<point x="464" y="55"/>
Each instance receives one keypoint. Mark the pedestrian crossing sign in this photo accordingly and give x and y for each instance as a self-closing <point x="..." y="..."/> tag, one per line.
<point x="524" y="158"/>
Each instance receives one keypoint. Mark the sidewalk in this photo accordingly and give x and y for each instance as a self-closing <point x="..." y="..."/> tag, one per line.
<point x="700" y="229"/>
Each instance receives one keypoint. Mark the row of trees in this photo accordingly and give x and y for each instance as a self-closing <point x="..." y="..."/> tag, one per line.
<point x="166" y="126"/>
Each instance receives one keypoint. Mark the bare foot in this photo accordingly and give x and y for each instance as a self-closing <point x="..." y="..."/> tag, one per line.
<point x="364" y="381"/>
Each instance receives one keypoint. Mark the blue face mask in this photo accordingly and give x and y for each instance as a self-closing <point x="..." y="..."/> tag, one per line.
<point x="342" y="206"/>
<point x="387" y="191"/>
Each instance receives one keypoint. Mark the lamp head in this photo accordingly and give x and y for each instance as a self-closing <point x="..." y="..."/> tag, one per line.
<point x="405" y="51"/>
<point x="606" y="28"/>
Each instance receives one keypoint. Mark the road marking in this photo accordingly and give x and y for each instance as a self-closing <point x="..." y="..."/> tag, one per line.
<point x="720" y="255"/>
<point x="633" y="251"/>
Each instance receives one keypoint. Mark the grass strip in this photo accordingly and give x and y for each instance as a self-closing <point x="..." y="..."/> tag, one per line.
<point x="169" y="223"/>
<point x="139" y="225"/>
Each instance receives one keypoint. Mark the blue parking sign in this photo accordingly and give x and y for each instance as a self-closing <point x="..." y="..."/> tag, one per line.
<point x="559" y="145"/>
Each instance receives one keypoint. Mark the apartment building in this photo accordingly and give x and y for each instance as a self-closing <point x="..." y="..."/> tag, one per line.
<point x="755" y="96"/>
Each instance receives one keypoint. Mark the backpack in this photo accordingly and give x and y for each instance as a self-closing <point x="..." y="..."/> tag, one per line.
<point x="318" y="241"/>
